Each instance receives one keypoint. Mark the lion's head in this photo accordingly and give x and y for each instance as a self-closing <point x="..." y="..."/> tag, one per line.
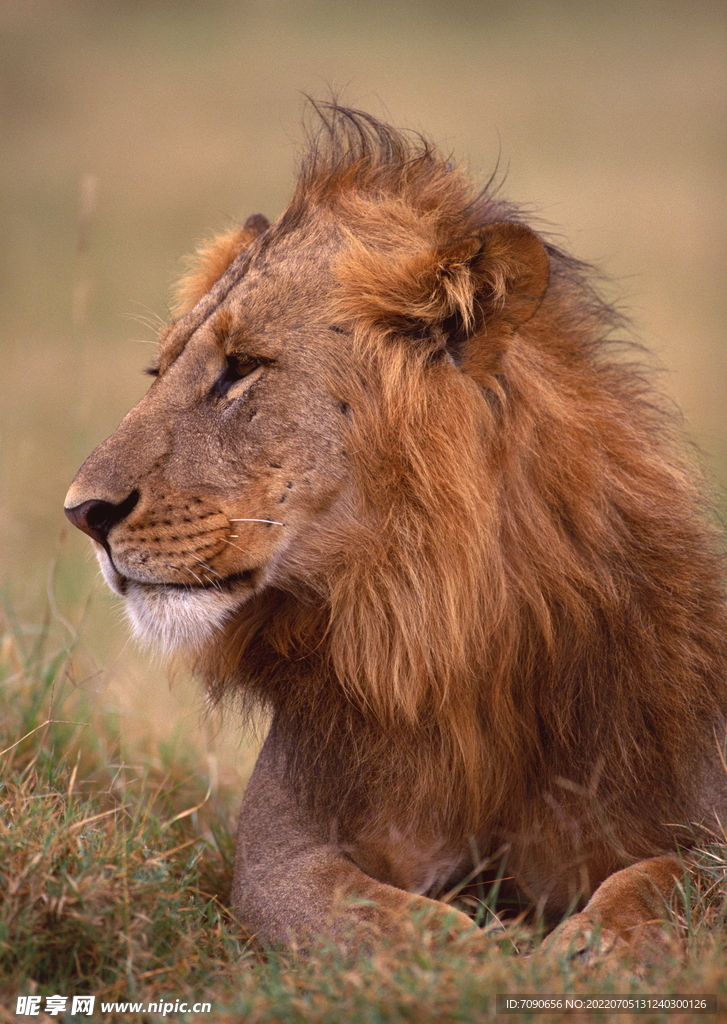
<point x="389" y="480"/>
<point x="218" y="484"/>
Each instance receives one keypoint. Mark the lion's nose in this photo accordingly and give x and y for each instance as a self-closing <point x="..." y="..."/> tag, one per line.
<point x="96" y="518"/>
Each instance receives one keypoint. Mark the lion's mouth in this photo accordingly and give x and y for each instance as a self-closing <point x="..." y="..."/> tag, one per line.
<point x="121" y="582"/>
<point x="221" y="584"/>
<point x="218" y="583"/>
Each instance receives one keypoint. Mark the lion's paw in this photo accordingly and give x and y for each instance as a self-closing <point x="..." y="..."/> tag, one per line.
<point x="586" y="940"/>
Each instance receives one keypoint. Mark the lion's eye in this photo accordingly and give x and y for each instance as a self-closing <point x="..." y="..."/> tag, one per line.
<point x="236" y="369"/>
<point x="240" y="366"/>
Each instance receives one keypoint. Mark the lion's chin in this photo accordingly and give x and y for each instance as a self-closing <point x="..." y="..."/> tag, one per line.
<point x="172" y="618"/>
<point x="176" y="619"/>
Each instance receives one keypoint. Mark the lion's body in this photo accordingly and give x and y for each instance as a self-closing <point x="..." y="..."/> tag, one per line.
<point x="392" y="484"/>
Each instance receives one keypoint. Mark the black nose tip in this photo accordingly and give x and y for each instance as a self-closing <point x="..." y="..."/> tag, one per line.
<point x="96" y="518"/>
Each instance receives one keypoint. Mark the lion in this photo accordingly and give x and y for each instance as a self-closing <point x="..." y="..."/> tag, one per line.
<point x="395" y="482"/>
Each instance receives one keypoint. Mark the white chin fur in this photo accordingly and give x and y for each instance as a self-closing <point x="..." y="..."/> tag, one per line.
<point x="173" y="620"/>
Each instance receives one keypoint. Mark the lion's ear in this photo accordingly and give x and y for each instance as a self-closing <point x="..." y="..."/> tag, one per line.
<point x="212" y="259"/>
<point x="443" y="296"/>
<point x="509" y="277"/>
<point x="512" y="268"/>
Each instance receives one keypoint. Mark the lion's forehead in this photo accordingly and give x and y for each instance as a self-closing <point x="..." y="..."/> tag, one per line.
<point x="284" y="298"/>
<point x="272" y="317"/>
<point x="291" y="284"/>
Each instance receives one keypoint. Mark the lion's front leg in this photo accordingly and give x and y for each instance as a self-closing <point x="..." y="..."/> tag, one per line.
<point x="625" y="917"/>
<point x="291" y="886"/>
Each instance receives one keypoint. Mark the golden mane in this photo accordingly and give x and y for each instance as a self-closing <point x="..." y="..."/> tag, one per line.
<point x="527" y="596"/>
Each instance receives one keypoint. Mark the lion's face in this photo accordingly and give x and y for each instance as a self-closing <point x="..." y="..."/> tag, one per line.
<point x="224" y="476"/>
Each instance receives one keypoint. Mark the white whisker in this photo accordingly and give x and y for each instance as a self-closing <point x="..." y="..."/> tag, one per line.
<point x="236" y="546"/>
<point x="208" y="568"/>
<point x="185" y="568"/>
<point x="273" y="522"/>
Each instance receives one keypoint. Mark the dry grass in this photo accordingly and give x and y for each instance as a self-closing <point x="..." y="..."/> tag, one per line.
<point x="113" y="862"/>
<point x="115" y="865"/>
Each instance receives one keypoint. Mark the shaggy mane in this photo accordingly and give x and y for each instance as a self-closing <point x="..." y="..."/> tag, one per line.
<point x="527" y="600"/>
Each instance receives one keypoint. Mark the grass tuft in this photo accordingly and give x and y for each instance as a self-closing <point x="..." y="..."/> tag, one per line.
<point x="111" y="868"/>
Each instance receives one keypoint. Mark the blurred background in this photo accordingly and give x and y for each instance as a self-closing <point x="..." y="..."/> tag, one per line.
<point x="133" y="128"/>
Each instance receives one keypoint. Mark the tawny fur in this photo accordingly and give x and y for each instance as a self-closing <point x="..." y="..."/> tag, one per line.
<point x="528" y="574"/>
<point x="470" y="569"/>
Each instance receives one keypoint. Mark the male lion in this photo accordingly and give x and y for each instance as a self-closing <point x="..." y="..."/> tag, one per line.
<point x="391" y="483"/>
